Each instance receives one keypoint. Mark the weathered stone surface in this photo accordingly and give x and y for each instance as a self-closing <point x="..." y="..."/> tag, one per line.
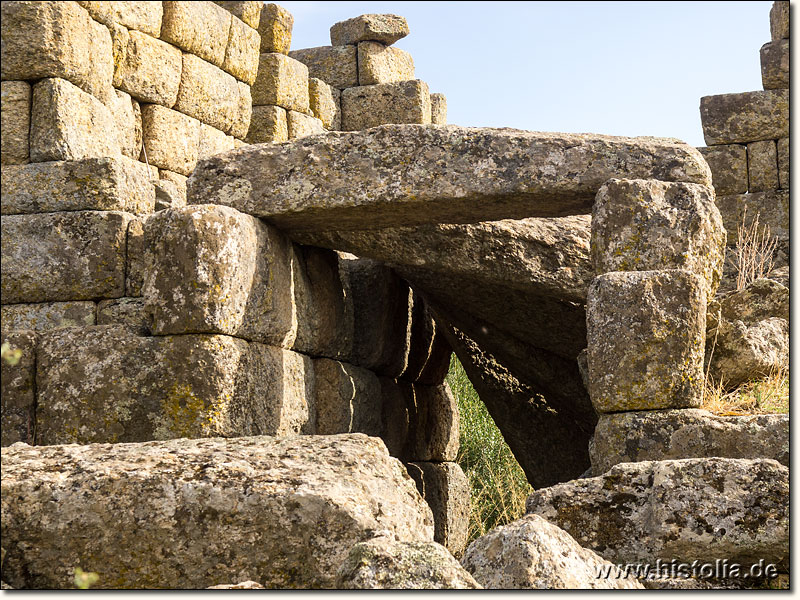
<point x="745" y="117"/>
<point x="411" y="174"/>
<point x="48" y="315"/>
<point x="325" y="103"/>
<point x="63" y="256"/>
<point x="775" y="65"/>
<point x="347" y="398"/>
<point x="383" y="64"/>
<point x="129" y="312"/>
<point x="531" y="553"/>
<point x="247" y="10"/>
<point x="692" y="509"/>
<point x="423" y="331"/>
<point x="128" y="117"/>
<point x="241" y="54"/>
<point x="200" y="29"/>
<point x="397" y="404"/>
<point x="244" y="585"/>
<point x="433" y="424"/>
<point x="241" y="124"/>
<point x="335" y="65"/>
<point x="178" y="180"/>
<point x="383" y="563"/>
<point x="649" y="225"/>
<point x="17" y="387"/>
<point x="169" y="195"/>
<point x="69" y="124"/>
<point x="134" y="261"/>
<point x="748" y="333"/>
<point x="282" y="81"/>
<point x="149" y="69"/>
<point x="275" y="29"/>
<point x="783" y="163"/>
<point x="386" y="29"/>
<point x="286" y="512"/>
<point x="646" y="332"/>
<point x="772" y="209"/>
<point x="212" y="269"/>
<point x="438" y="363"/>
<point x="686" y="433"/>
<point x="207" y="93"/>
<point x="16" y="121"/>
<point x="213" y="141"/>
<point x="171" y="139"/>
<point x="302" y="125"/>
<point x="268" y="124"/>
<point x="142" y="16"/>
<point x="728" y="165"/>
<point x="438" y="109"/>
<point x="446" y="490"/>
<point x="372" y="105"/>
<point x="779" y="20"/>
<point x="87" y="184"/>
<point x="762" y="166"/>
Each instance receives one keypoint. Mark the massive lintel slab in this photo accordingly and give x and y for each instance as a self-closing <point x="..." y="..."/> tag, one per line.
<point x="414" y="174"/>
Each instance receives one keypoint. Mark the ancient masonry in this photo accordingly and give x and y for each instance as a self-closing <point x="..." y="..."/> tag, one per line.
<point x="189" y="268"/>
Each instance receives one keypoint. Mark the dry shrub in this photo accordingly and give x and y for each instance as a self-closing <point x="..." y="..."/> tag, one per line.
<point x="754" y="251"/>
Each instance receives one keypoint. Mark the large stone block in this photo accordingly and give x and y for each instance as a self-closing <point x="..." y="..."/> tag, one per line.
<point x="212" y="269"/>
<point x="69" y="124"/>
<point x="148" y="69"/>
<point x="386" y="29"/>
<point x="325" y="103"/>
<point x="772" y="209"/>
<point x="410" y="174"/>
<point x="200" y="28"/>
<point x="128" y="312"/>
<point x="207" y="93"/>
<point x="745" y="117"/>
<point x="16" y="122"/>
<point x="128" y="115"/>
<point x="242" y="52"/>
<point x="63" y="256"/>
<point x="383" y="64"/>
<point x="48" y="315"/>
<point x="779" y="20"/>
<point x="302" y="125"/>
<point x="347" y="398"/>
<point x="17" y="386"/>
<point x="433" y="424"/>
<point x="646" y="333"/>
<point x="728" y="165"/>
<point x="244" y="112"/>
<point x="649" y="225"/>
<point x="248" y="11"/>
<point x="762" y="166"/>
<point x="438" y="109"/>
<point x="783" y="163"/>
<point x="171" y="139"/>
<point x="275" y="29"/>
<point x="282" y="81"/>
<point x="213" y="141"/>
<point x="372" y="105"/>
<point x="775" y="65"/>
<point x="283" y="512"/>
<point x="141" y="16"/>
<point x="268" y="124"/>
<point x="335" y="65"/>
<point x="134" y="260"/>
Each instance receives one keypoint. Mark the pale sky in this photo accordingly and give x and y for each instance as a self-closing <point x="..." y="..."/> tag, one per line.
<point x="618" y="68"/>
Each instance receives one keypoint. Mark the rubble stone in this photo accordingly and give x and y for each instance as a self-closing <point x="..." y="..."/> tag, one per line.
<point x="335" y="65"/>
<point x="282" y="81"/>
<point x="275" y="29"/>
<point x="148" y="69"/>
<point x="171" y="139"/>
<point x="728" y="165"/>
<point x="17" y="388"/>
<point x="268" y="124"/>
<point x="383" y="64"/>
<point x="16" y="121"/>
<point x="386" y="29"/>
<point x="48" y="315"/>
<point x="200" y="29"/>
<point x="372" y="105"/>
<point x="745" y="117"/>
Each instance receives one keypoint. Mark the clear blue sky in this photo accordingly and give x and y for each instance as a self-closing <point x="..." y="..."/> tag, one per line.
<point x="620" y="68"/>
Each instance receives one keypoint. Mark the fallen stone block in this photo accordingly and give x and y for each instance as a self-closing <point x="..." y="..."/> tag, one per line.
<point x="779" y="20"/>
<point x="325" y="103"/>
<point x="646" y="334"/>
<point x="207" y="93"/>
<point x="47" y="315"/>
<point x="775" y="65"/>
<point x="16" y="122"/>
<point x="148" y="69"/>
<point x="286" y="512"/>
<point x="248" y="11"/>
<point x="412" y="174"/>
<point x="275" y="29"/>
<point x="141" y="16"/>
<point x="386" y="29"/>
<point x="694" y="509"/>
<point x="268" y="124"/>
<point x="242" y="52"/>
<point x="335" y="65"/>
<point x="200" y="29"/>
<point x="728" y="165"/>
<point x="686" y="433"/>
<point x="383" y="64"/>
<point x="128" y="115"/>
<point x="438" y="109"/>
<point x="171" y="139"/>
<point x="282" y="81"/>
<point x="531" y="553"/>
<point x="212" y="141"/>
<point x="762" y="166"/>
<point x="347" y="399"/>
<point x="372" y="105"/>
<point x="302" y="125"/>
<point x="783" y="163"/>
<point x="745" y="117"/>
<point x="63" y="256"/>
<point x="17" y="387"/>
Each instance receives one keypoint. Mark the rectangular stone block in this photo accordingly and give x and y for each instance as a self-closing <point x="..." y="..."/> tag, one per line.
<point x="134" y="258"/>
<point x="438" y="109"/>
<point x="17" y="386"/>
<point x="438" y="364"/>
<point x="347" y="399"/>
<point x="728" y="165"/>
<point x="268" y="124"/>
<point x="646" y="339"/>
<point x="386" y="29"/>
<point x="783" y="163"/>
<point x="15" y="112"/>
<point x="282" y="81"/>
<point x="213" y="141"/>
<point x="69" y="124"/>
<point x="275" y="29"/>
<point x="302" y="125"/>
<point x="779" y="20"/>
<point x="127" y="312"/>
<point x="241" y="122"/>
<point x="772" y="208"/>
<point x="745" y="117"/>
<point x="171" y="139"/>
<point x="48" y="315"/>
<point x="383" y="64"/>
<point x="179" y="182"/>
<point x="242" y="52"/>
<point x="128" y="116"/>
<point x="335" y="65"/>
<point x="141" y="16"/>
<point x="63" y="256"/>
<point x="762" y="166"/>
<point x="372" y="105"/>
<point x="395" y="415"/>
<point x="207" y="93"/>
<point x="775" y="65"/>
<point x="200" y="28"/>
<point x="325" y="103"/>
<point x="148" y="69"/>
<point x="212" y="269"/>
<point x="248" y="11"/>
<point x="87" y="184"/>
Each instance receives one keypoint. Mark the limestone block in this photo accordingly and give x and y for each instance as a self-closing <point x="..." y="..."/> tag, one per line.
<point x="386" y="29"/>
<point x="69" y="124"/>
<point x="247" y="10"/>
<point x="207" y="93"/>
<point x="775" y="65"/>
<point x="179" y="182"/>
<point x="128" y="312"/>
<point x="286" y="511"/>
<point x="325" y="103"/>
<point x="244" y="112"/>
<point x="213" y="141"/>
<point x="302" y="125"/>
<point x="745" y="117"/>
<point x="275" y="29"/>
<point x="762" y="166"/>
<point x="446" y="490"/>
<point x="282" y="81"/>
<point x="48" y="315"/>
<point x="347" y="398"/>
<point x="438" y="363"/>
<point x="728" y="165"/>
<point x="200" y="28"/>
<point x="779" y="20"/>
<point x="171" y="139"/>
<point x="101" y="69"/>
<point x="433" y="424"/>
<point x="128" y="117"/>
<point x="148" y="69"/>
<point x="438" y="109"/>
<point x="169" y="194"/>
<point x="63" y="256"/>
<point x="649" y="225"/>
<point x="16" y="121"/>
<point x="646" y="333"/>
<point x="135" y="258"/>
<point x="783" y="163"/>
<point x="372" y="105"/>
<point x="242" y="52"/>
<point x="396" y="415"/>
<point x="687" y="433"/>
<point x="771" y="207"/>
<point x="268" y="124"/>
<point x="212" y="269"/>
<point x="17" y="387"/>
<point x="141" y="16"/>
<point x="335" y="65"/>
<point x="383" y="64"/>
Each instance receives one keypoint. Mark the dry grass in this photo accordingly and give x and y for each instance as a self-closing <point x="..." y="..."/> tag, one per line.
<point x="752" y="255"/>
<point x="769" y="395"/>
